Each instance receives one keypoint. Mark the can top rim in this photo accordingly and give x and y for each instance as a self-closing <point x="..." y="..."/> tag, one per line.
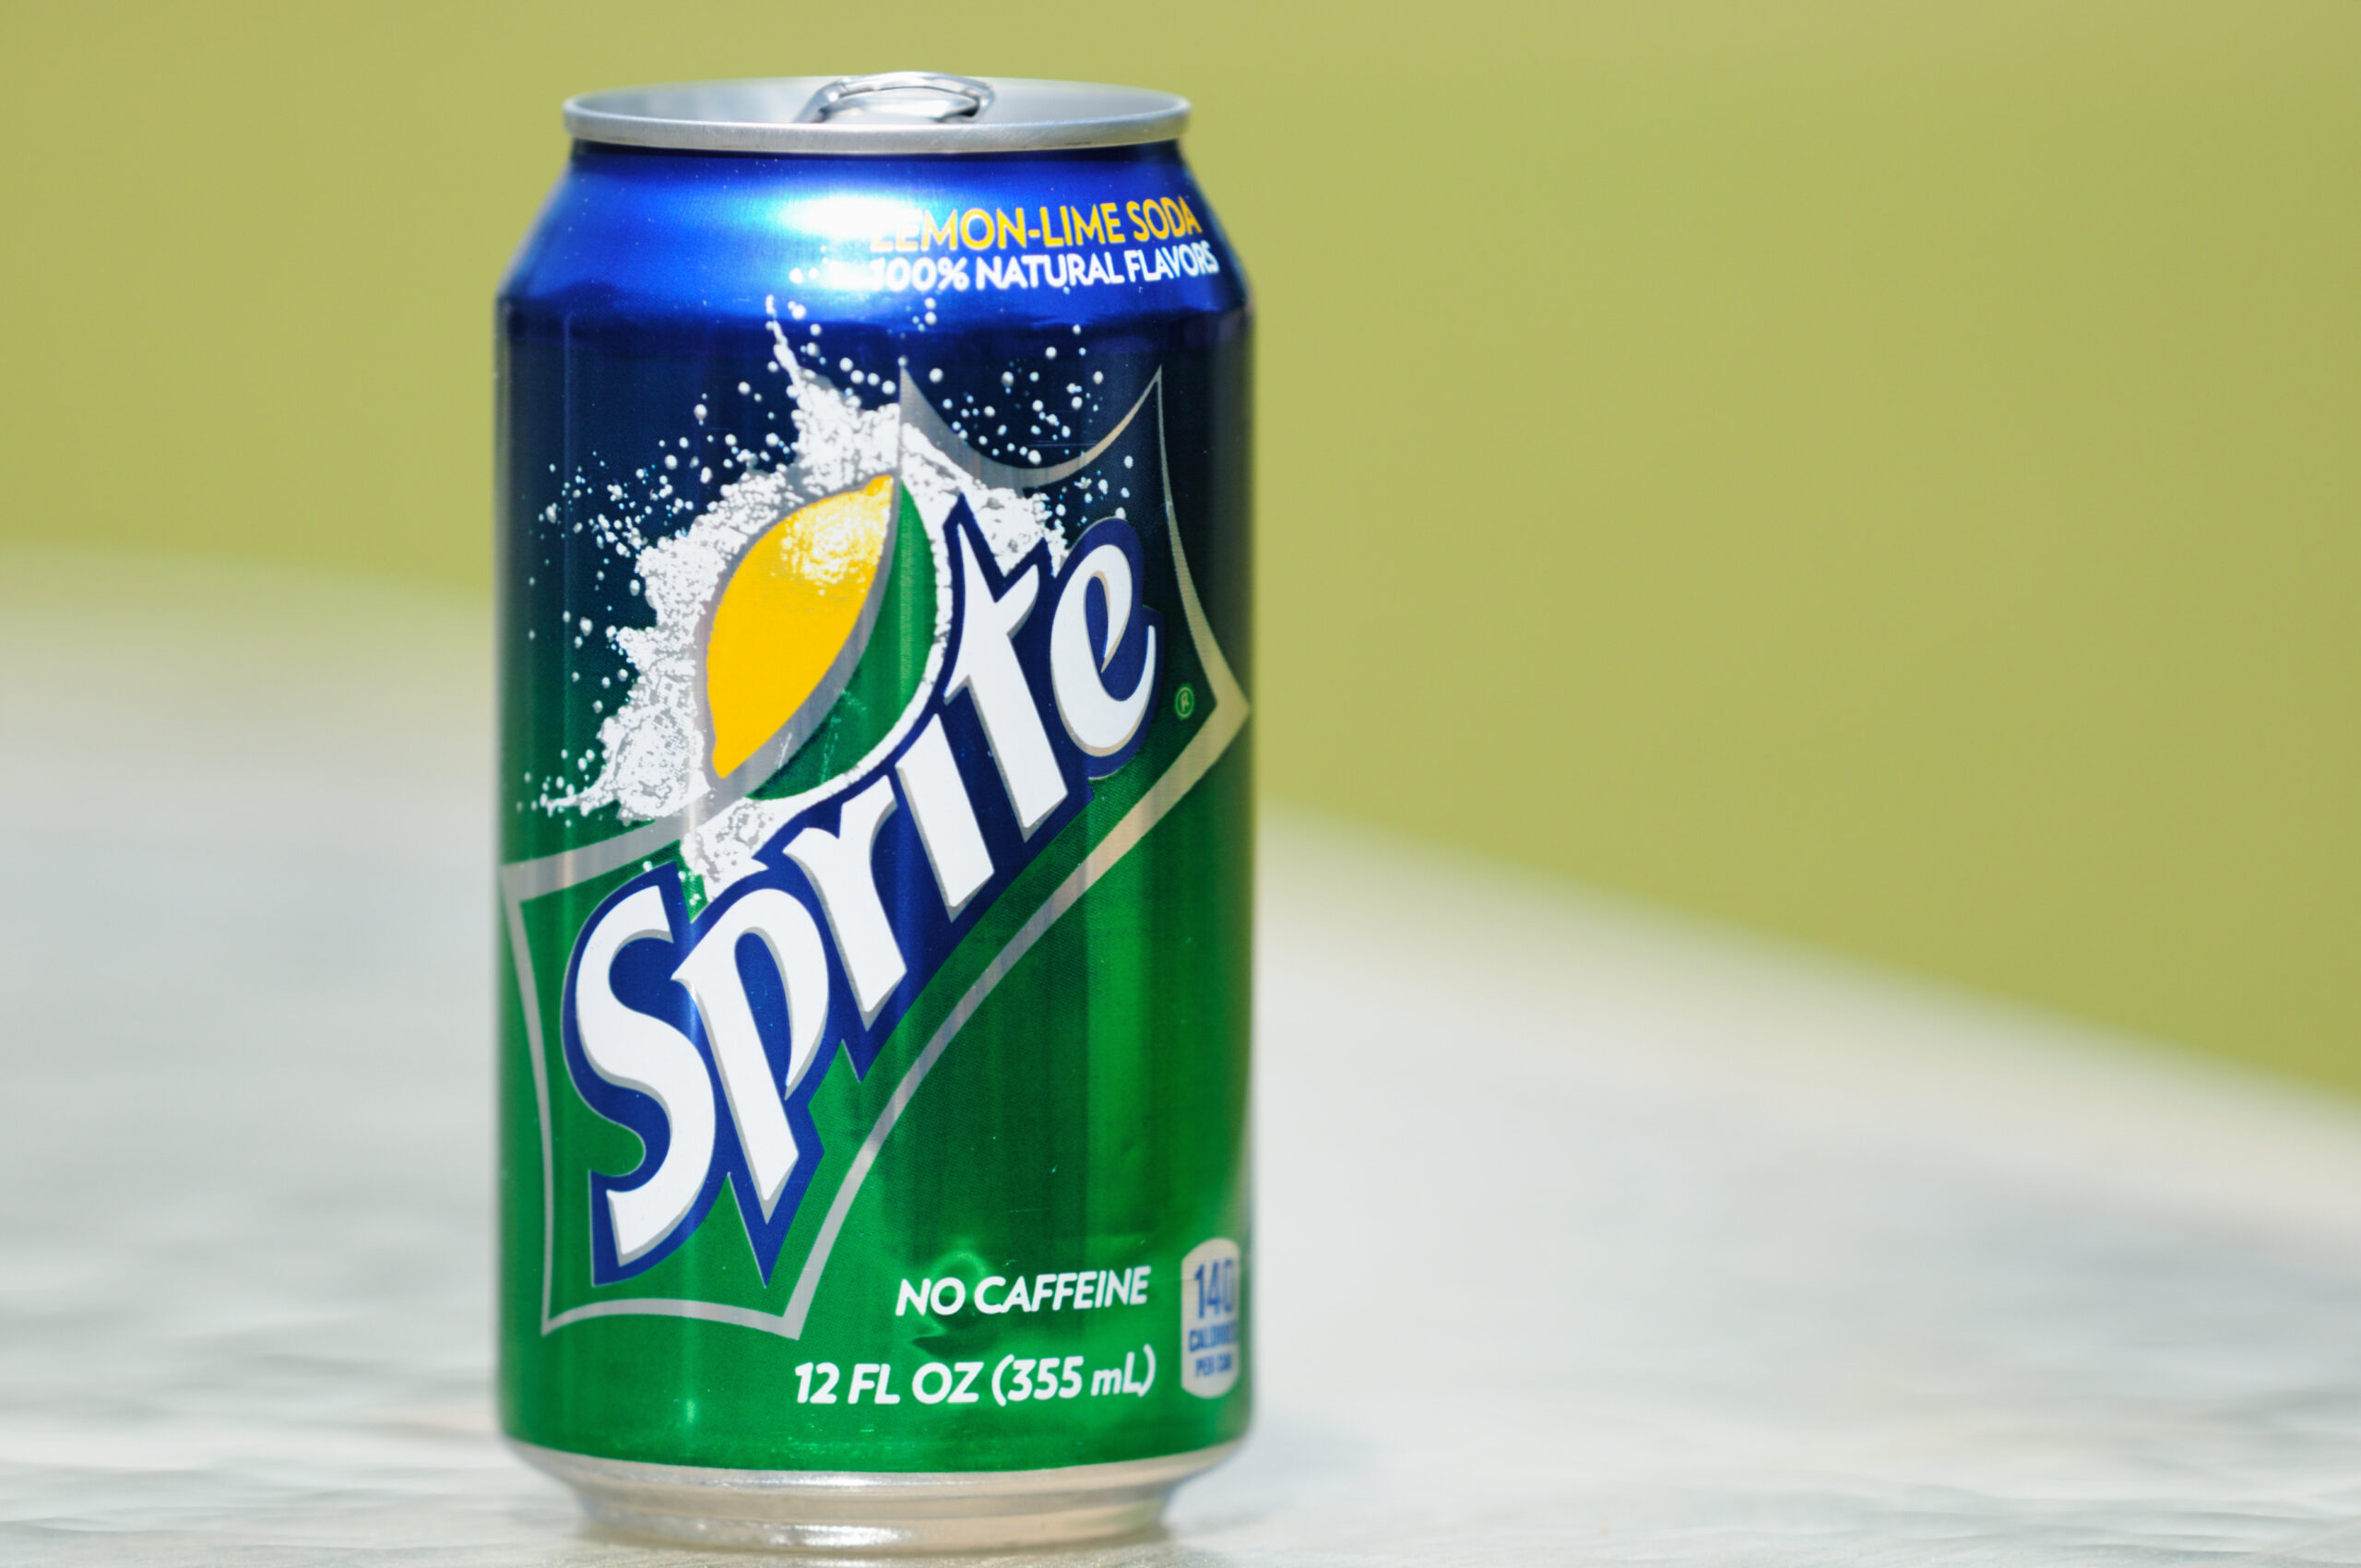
<point x="900" y="113"/>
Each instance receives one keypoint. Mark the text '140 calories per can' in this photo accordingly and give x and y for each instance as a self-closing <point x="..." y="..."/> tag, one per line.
<point x="875" y="815"/>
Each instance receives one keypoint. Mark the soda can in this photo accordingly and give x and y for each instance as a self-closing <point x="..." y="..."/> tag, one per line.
<point x="875" y="833"/>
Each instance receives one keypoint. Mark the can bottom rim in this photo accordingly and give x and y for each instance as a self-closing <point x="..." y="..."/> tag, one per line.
<point x="873" y="1511"/>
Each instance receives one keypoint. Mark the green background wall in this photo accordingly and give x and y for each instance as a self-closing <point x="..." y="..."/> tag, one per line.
<point x="1886" y="473"/>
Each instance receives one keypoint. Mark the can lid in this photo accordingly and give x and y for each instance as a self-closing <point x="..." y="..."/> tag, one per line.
<point x="897" y="112"/>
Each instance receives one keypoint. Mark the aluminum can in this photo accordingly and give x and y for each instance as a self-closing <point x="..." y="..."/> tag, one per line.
<point x="875" y="815"/>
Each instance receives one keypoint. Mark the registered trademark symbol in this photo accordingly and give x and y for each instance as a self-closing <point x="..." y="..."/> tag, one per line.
<point x="1184" y="701"/>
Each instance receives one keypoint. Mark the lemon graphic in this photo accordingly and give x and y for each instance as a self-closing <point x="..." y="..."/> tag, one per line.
<point x="791" y="623"/>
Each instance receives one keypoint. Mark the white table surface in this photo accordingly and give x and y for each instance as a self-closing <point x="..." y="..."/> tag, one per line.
<point x="1586" y="1237"/>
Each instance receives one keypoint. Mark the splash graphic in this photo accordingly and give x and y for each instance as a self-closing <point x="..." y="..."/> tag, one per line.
<point x="652" y="747"/>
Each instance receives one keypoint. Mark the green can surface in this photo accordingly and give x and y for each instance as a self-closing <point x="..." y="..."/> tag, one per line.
<point x="875" y="820"/>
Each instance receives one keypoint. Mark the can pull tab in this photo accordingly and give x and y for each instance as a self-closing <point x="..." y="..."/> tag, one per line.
<point x="898" y="95"/>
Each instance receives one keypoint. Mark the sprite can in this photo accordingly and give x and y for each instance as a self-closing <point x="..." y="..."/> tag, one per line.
<point x="876" y="827"/>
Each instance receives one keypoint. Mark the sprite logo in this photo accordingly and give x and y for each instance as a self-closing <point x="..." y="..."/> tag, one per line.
<point x="819" y="907"/>
<point x="769" y="916"/>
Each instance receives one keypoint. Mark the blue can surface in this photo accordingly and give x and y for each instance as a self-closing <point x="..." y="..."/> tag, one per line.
<point x="875" y="815"/>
